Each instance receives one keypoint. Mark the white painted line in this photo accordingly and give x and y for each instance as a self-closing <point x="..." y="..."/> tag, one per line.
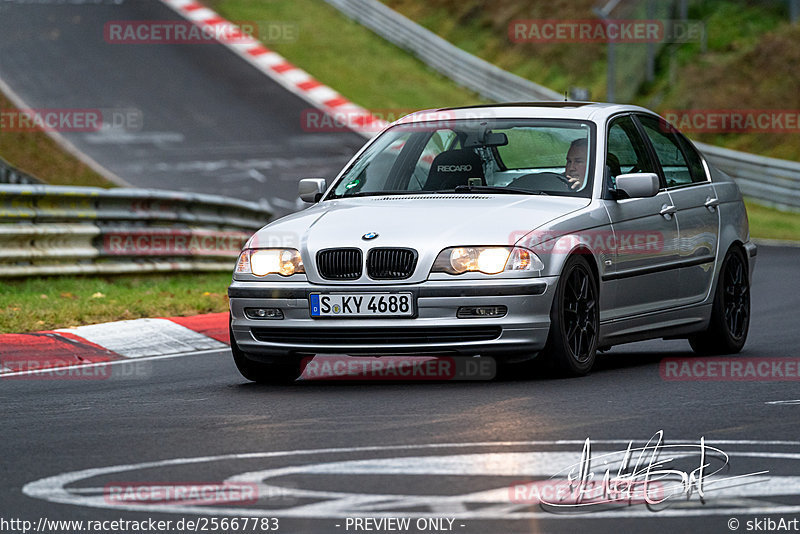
<point x="242" y="45"/>
<point x="342" y="505"/>
<point x="323" y="93"/>
<point x="297" y="76"/>
<point x="112" y="362"/>
<point x="199" y="15"/>
<point x="269" y="59"/>
<point x="795" y="401"/>
<point x="145" y="337"/>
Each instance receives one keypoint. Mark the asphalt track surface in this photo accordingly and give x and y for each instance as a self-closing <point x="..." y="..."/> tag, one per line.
<point x="190" y="117"/>
<point x="401" y="446"/>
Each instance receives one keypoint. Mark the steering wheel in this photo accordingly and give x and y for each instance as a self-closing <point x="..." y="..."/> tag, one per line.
<point x="561" y="177"/>
<point x="543" y="181"/>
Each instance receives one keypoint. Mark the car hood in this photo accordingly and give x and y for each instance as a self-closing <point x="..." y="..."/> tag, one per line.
<point x="427" y="223"/>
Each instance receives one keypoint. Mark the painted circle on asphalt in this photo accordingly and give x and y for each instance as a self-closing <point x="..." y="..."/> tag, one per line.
<point x="463" y="481"/>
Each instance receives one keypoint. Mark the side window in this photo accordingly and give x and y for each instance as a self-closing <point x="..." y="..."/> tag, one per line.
<point x="372" y="174"/>
<point x="440" y="141"/>
<point x="667" y="146"/>
<point x="696" y="167"/>
<point x="626" y="149"/>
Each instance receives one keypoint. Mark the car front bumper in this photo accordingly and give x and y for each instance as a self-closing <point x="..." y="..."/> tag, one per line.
<point x="435" y="329"/>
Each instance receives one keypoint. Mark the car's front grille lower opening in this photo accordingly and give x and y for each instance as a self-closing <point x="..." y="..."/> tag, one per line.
<point x="340" y="263"/>
<point x="391" y="263"/>
<point x="376" y="336"/>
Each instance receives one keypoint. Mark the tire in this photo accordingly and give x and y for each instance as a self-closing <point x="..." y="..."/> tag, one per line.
<point x="730" y="313"/>
<point x="262" y="372"/>
<point x="571" y="346"/>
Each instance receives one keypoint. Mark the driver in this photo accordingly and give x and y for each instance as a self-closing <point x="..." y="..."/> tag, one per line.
<point x="575" y="169"/>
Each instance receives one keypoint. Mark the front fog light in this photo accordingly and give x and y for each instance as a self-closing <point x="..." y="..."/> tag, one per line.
<point x="263" y="313"/>
<point x="477" y="312"/>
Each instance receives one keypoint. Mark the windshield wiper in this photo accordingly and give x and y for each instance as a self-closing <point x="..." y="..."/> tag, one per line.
<point x="377" y="193"/>
<point x="491" y="189"/>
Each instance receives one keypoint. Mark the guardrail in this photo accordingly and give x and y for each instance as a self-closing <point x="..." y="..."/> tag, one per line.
<point x="462" y="67"/>
<point x="770" y="180"/>
<point x="51" y="230"/>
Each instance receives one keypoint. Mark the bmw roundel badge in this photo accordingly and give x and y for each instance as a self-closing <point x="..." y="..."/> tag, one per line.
<point x="369" y="235"/>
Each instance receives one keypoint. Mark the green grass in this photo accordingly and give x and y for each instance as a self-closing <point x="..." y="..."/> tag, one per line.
<point x="36" y="153"/>
<point x="350" y="58"/>
<point x="770" y="223"/>
<point x="58" y="302"/>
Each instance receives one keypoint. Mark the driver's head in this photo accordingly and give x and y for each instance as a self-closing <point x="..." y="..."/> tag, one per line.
<point x="576" y="161"/>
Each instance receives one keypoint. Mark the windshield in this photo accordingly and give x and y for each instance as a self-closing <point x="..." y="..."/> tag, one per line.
<point x="519" y="156"/>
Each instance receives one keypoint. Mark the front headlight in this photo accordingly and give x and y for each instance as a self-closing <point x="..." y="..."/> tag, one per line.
<point x="261" y="262"/>
<point x="488" y="260"/>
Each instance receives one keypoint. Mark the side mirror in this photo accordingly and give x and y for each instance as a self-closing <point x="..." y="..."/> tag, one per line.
<point x="312" y="189"/>
<point x="638" y="185"/>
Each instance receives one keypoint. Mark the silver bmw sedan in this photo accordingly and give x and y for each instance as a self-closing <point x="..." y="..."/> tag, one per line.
<point x="519" y="232"/>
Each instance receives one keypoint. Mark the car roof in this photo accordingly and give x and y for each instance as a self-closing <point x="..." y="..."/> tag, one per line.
<point x="592" y="111"/>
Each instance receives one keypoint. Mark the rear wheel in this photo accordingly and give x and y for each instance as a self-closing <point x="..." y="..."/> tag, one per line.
<point x="571" y="345"/>
<point x="262" y="372"/>
<point x="730" y="314"/>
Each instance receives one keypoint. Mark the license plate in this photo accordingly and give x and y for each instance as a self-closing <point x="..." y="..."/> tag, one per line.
<point x="362" y="305"/>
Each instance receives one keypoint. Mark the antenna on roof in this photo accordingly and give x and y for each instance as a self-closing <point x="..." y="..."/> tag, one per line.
<point x="565" y="96"/>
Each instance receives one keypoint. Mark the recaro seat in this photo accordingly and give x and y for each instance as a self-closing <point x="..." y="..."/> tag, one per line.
<point x="454" y="167"/>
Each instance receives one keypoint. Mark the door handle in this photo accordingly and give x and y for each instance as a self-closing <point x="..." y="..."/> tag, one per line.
<point x="711" y="203"/>
<point x="667" y="209"/>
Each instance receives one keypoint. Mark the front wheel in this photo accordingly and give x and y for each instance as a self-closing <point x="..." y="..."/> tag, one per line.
<point x="265" y="373"/>
<point x="730" y="313"/>
<point x="571" y="345"/>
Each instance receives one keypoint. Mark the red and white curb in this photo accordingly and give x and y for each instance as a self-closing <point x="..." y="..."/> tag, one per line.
<point x="272" y="64"/>
<point x="110" y="342"/>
